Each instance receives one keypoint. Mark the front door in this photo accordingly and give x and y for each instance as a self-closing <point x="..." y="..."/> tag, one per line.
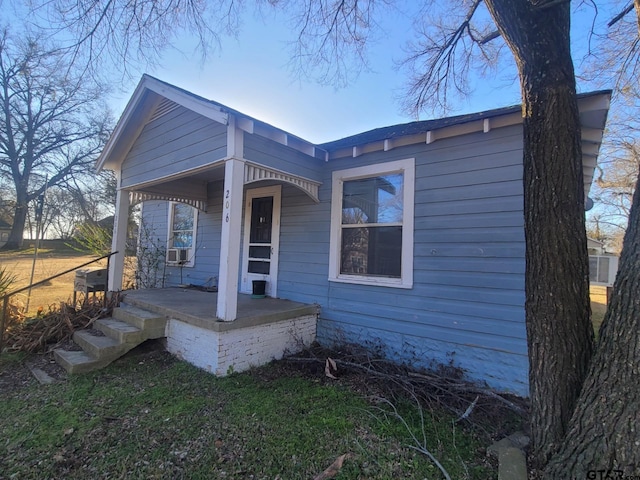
<point x="261" y="238"/>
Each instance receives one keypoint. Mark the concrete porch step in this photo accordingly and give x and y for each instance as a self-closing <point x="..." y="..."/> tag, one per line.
<point x="119" y="330"/>
<point x="100" y="346"/>
<point x="78" y="361"/>
<point x="153" y="324"/>
<point x="128" y="327"/>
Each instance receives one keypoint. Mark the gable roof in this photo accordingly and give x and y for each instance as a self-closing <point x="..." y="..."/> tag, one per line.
<point x="4" y="225"/>
<point x="153" y="97"/>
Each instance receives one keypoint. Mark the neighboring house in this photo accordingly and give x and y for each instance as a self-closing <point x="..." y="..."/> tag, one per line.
<point x="410" y="238"/>
<point x="5" y="230"/>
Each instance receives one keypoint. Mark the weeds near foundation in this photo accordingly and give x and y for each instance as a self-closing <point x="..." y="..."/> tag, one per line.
<point x="442" y="389"/>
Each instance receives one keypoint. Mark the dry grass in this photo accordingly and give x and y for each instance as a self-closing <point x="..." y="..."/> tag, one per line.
<point x="49" y="263"/>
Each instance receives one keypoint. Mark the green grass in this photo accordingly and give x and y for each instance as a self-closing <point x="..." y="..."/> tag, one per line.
<point x="155" y="417"/>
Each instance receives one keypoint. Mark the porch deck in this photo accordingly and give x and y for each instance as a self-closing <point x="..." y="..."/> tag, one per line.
<point x="264" y="329"/>
<point x="198" y="308"/>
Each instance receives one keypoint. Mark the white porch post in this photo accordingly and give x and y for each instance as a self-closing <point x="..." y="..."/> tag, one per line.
<point x="119" y="241"/>
<point x="227" y="307"/>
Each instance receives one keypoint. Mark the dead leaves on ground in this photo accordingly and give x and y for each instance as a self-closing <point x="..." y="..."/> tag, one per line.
<point x="329" y="367"/>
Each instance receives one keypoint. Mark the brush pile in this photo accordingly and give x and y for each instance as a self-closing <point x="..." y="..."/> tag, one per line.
<point x="391" y="383"/>
<point x="48" y="330"/>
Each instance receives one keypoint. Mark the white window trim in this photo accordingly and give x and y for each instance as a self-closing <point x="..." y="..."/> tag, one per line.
<point x="191" y="259"/>
<point x="407" y="168"/>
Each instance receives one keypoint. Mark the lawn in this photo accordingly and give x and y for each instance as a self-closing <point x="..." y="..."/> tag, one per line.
<point x="152" y="416"/>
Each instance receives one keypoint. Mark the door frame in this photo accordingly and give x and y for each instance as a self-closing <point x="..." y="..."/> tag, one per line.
<point x="246" y="278"/>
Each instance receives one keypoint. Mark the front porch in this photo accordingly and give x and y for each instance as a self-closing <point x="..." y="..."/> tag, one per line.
<point x="265" y="329"/>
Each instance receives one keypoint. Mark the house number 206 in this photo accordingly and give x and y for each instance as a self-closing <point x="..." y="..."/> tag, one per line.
<point x="226" y="206"/>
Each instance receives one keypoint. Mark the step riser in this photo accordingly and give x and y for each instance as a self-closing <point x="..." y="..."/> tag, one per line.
<point x="73" y="366"/>
<point x="136" y="337"/>
<point x="98" y="351"/>
<point x="154" y="325"/>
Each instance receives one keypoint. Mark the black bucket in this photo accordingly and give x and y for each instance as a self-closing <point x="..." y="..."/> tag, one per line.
<point x="259" y="289"/>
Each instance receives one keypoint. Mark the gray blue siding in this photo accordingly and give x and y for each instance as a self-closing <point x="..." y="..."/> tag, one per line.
<point x="280" y="157"/>
<point x="466" y="307"/>
<point x="207" y="254"/>
<point x="467" y="303"/>
<point x="176" y="142"/>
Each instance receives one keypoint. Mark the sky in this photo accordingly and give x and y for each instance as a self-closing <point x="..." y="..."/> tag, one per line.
<point x="250" y="74"/>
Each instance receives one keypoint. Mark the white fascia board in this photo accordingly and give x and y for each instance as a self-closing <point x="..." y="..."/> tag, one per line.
<point x="594" y="102"/>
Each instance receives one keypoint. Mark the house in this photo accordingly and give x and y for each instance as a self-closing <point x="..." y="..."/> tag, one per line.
<point x="407" y="238"/>
<point x="5" y="230"/>
<point x="595" y="247"/>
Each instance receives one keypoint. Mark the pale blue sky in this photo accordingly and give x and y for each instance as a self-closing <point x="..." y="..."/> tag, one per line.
<point x="250" y="74"/>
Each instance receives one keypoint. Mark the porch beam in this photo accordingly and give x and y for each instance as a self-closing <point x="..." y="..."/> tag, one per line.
<point x="119" y="241"/>
<point x="227" y="307"/>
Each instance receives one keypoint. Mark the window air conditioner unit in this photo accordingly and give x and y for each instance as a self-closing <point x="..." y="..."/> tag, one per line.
<point x="178" y="255"/>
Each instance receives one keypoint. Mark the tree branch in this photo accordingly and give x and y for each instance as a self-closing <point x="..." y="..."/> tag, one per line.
<point x="620" y="16"/>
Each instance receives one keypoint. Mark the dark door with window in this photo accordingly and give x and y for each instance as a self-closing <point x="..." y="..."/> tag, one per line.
<point x="261" y="238"/>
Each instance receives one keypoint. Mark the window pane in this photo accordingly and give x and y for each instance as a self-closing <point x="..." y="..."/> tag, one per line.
<point x="261" y="218"/>
<point x="373" y="200"/>
<point x="259" y="267"/>
<point x="603" y="270"/>
<point x="372" y="251"/>
<point x="182" y="239"/>
<point x="260" y="252"/>
<point x="182" y="217"/>
<point x="593" y="269"/>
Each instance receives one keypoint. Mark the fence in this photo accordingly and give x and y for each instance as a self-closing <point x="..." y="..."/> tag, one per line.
<point x="5" y="298"/>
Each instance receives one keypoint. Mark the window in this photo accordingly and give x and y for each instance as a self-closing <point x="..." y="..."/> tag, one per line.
<point x="182" y="234"/>
<point x="372" y="225"/>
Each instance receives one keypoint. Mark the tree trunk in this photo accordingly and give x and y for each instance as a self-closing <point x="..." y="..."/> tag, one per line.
<point x="16" y="237"/>
<point x="559" y="332"/>
<point x="604" y="431"/>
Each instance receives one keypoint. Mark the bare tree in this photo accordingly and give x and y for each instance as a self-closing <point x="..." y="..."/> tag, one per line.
<point x="52" y="125"/>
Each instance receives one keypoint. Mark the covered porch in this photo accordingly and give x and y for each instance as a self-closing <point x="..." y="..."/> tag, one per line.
<point x="174" y="147"/>
<point x="264" y="329"/>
